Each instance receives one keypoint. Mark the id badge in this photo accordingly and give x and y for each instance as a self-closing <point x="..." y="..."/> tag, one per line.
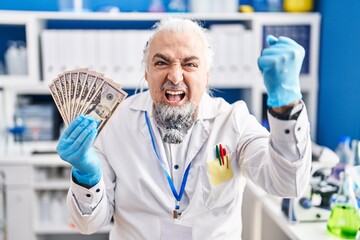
<point x="175" y="230"/>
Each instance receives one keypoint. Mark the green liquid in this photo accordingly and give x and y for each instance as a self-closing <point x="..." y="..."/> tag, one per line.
<point x="344" y="221"/>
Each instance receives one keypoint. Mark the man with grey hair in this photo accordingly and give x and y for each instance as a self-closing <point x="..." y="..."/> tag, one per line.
<point x="172" y="162"/>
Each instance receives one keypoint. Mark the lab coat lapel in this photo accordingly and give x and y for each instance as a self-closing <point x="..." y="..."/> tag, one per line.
<point x="200" y="132"/>
<point x="157" y="138"/>
<point x="198" y="137"/>
<point x="145" y="105"/>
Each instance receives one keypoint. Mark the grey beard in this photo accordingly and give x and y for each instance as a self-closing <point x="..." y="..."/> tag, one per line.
<point x="175" y="121"/>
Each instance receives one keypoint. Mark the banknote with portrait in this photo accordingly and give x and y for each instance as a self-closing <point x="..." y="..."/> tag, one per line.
<point x="81" y="91"/>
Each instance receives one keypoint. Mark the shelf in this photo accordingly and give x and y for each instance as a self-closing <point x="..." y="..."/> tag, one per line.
<point x="52" y="185"/>
<point x="10" y="81"/>
<point x="9" y="19"/>
<point x="139" y="16"/>
<point x="24" y="85"/>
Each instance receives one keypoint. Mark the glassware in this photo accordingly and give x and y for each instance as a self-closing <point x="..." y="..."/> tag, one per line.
<point x="343" y="150"/>
<point x="156" y="6"/>
<point x="354" y="173"/>
<point x="344" y="220"/>
<point x="74" y="5"/>
<point x="16" y="58"/>
<point x="177" y="6"/>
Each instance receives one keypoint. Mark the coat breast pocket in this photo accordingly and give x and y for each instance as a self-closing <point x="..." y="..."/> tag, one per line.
<point x="218" y="182"/>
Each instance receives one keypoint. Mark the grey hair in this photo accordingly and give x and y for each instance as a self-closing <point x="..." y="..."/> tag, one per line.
<point x="178" y="25"/>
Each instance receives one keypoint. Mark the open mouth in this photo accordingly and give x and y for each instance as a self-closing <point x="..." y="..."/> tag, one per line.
<point x="174" y="95"/>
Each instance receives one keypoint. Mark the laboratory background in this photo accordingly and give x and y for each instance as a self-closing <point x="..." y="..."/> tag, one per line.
<point x="41" y="39"/>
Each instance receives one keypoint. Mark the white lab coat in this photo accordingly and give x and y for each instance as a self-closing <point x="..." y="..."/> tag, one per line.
<point x="135" y="192"/>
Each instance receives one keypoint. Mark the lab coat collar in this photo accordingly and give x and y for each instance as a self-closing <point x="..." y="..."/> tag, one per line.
<point x="207" y="108"/>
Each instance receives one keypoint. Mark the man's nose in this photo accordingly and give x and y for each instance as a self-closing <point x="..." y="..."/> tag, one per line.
<point x="175" y="74"/>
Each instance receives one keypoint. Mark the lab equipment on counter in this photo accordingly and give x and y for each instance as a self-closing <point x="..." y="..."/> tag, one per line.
<point x="355" y="147"/>
<point x="287" y="207"/>
<point x="17" y="133"/>
<point x="314" y="205"/>
<point x="16" y="58"/>
<point x="38" y="114"/>
<point x="39" y="120"/>
<point x="354" y="173"/>
<point x="344" y="220"/>
<point x="344" y="152"/>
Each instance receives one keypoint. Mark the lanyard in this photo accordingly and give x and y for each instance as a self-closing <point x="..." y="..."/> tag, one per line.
<point x="179" y="195"/>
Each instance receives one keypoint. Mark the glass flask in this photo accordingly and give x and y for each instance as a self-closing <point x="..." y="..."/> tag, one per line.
<point x="344" y="220"/>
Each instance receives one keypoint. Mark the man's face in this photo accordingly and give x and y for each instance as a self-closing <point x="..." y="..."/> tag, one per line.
<point x="178" y="59"/>
<point x="177" y="78"/>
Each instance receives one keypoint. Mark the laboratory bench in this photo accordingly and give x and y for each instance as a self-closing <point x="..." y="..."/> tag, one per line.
<point x="274" y="224"/>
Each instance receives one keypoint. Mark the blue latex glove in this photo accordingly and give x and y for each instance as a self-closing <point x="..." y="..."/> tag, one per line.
<point x="75" y="147"/>
<point x="280" y="64"/>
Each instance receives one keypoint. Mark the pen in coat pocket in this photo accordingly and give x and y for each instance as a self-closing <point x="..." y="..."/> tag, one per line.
<point x="222" y="155"/>
<point x="218" y="156"/>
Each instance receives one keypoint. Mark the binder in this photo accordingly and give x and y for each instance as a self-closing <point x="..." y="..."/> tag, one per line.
<point x="104" y="53"/>
<point x="64" y="49"/>
<point x="228" y="53"/>
<point x="77" y="49"/>
<point x="88" y="40"/>
<point x="118" y="68"/>
<point x="219" y="70"/>
<point x="49" y="54"/>
<point x="249" y="61"/>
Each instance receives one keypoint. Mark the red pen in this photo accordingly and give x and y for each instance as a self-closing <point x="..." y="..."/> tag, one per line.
<point x="222" y="154"/>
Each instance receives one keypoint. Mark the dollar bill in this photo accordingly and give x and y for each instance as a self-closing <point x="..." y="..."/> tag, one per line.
<point x="71" y="90"/>
<point x="58" y="101"/>
<point x="95" y="87"/>
<point x="81" y="91"/>
<point x="62" y="82"/>
<point x="105" y="102"/>
<point x="60" y="94"/>
<point x="78" y="90"/>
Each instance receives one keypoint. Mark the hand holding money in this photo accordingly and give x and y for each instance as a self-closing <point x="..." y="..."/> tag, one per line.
<point x="86" y="92"/>
<point x="86" y="100"/>
<point x="75" y="147"/>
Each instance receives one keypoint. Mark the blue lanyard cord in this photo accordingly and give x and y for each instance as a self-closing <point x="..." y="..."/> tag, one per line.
<point x="171" y="184"/>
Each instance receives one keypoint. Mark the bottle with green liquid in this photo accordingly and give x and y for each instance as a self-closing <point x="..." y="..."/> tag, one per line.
<point x="344" y="220"/>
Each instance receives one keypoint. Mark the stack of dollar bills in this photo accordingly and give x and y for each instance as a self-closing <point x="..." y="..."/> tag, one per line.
<point x="86" y="92"/>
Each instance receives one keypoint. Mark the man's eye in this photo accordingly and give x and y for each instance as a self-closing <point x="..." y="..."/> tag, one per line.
<point x="192" y="65"/>
<point x="160" y="63"/>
